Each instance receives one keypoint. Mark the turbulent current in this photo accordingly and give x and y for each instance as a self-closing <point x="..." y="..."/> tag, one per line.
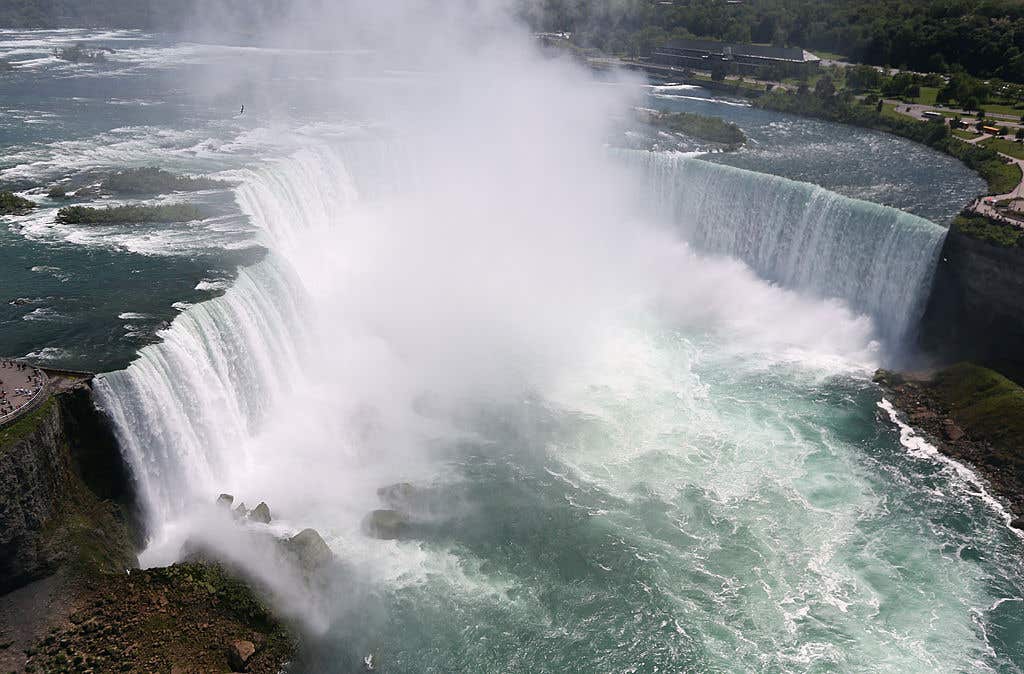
<point x="631" y="391"/>
<point x="715" y="492"/>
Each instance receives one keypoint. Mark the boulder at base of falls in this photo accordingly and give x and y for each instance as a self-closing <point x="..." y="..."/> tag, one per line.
<point x="260" y="513"/>
<point x="310" y="550"/>
<point x="386" y="524"/>
<point x="239" y="654"/>
<point x="241" y="512"/>
<point x="225" y="500"/>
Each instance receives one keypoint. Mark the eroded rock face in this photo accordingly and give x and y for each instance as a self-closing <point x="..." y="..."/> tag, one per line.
<point x="65" y="497"/>
<point x="386" y="524"/>
<point x="225" y="500"/>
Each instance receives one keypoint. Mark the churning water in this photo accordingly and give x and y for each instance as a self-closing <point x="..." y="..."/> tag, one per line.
<point x="641" y="431"/>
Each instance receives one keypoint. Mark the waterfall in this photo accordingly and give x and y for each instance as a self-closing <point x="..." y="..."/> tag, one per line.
<point x="185" y="407"/>
<point x="879" y="260"/>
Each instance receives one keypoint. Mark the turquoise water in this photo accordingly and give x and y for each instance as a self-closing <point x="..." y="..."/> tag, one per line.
<point x="699" y="480"/>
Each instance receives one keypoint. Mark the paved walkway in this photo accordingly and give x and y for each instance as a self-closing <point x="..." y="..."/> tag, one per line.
<point x="20" y="384"/>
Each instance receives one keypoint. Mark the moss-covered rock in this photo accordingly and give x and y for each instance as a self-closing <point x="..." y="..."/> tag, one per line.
<point x="117" y="215"/>
<point x="12" y="204"/>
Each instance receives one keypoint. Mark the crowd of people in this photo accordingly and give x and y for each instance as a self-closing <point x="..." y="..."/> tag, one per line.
<point x="29" y="380"/>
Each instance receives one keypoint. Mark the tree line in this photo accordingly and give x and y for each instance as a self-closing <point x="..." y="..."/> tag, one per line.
<point x="981" y="37"/>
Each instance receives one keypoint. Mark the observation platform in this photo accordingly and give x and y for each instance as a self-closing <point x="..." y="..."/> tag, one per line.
<point x="23" y="387"/>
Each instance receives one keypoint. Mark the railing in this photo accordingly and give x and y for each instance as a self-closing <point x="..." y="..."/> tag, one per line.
<point x="42" y="394"/>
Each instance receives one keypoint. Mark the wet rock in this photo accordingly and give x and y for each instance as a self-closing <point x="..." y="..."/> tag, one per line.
<point x="309" y="550"/>
<point x="241" y="512"/>
<point x="1018" y="524"/>
<point x="260" y="513"/>
<point x="225" y="500"/>
<point x="239" y="654"/>
<point x="386" y="524"/>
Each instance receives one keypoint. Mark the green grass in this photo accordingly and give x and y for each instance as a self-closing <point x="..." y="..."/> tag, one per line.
<point x="966" y="135"/>
<point x="984" y="229"/>
<point x="23" y="427"/>
<point x="889" y="110"/>
<point x="1005" y="146"/>
<point x="927" y="96"/>
<point x="986" y="404"/>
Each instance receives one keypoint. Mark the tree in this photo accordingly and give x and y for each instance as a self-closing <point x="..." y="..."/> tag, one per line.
<point x="878" y="108"/>
<point x="825" y="87"/>
<point x="718" y="70"/>
<point x="1020" y="134"/>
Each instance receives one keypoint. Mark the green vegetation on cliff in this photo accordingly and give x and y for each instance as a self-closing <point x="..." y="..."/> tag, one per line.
<point x="12" y="204"/>
<point x="986" y="229"/>
<point x="14" y="433"/>
<point x="986" y="404"/>
<point x="84" y="215"/>
<point x="704" y="127"/>
<point x="154" y="180"/>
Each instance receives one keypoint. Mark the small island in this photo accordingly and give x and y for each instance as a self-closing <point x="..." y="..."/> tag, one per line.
<point x="701" y="127"/>
<point x="117" y="215"/>
<point x="12" y="204"/>
<point x="154" y="180"/>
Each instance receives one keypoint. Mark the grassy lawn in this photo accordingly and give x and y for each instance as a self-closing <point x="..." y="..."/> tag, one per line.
<point x="1005" y="146"/>
<point x="1004" y="179"/>
<point x="927" y="96"/>
<point x="1005" y="108"/>
<point x="889" y="110"/>
<point x="967" y="135"/>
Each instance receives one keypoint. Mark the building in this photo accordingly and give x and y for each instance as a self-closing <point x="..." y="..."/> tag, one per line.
<point x="737" y="59"/>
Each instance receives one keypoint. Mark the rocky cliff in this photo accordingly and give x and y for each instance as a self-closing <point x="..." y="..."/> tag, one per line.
<point x="976" y="310"/>
<point x="66" y="499"/>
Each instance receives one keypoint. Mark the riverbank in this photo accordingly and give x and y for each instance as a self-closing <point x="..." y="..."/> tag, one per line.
<point x="971" y="414"/>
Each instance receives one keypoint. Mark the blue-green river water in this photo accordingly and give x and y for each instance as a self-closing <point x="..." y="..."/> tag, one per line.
<point x="634" y="401"/>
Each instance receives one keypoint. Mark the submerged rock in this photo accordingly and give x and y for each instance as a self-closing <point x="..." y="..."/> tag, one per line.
<point x="260" y="513"/>
<point x="310" y="550"/>
<point x="397" y="495"/>
<point x="239" y="654"/>
<point x="386" y="524"/>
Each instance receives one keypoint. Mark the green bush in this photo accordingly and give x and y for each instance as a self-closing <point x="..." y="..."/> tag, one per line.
<point x="707" y="128"/>
<point x="12" y="204"/>
<point x="84" y="215"/>
<point x="985" y="229"/>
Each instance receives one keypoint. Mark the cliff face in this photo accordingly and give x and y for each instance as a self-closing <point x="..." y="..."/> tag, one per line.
<point x="976" y="310"/>
<point x="66" y="499"/>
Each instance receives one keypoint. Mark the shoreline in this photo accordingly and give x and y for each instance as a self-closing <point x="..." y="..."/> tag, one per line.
<point x="945" y="421"/>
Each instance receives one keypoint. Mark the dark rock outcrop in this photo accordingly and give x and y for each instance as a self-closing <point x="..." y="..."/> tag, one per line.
<point x="310" y="551"/>
<point x="66" y="498"/>
<point x="386" y="524"/>
<point x="976" y="309"/>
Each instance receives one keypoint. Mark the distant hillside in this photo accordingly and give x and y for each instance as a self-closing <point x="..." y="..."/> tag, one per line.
<point x="983" y="37"/>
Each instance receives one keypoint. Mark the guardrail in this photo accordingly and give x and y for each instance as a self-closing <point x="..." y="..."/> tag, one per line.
<point x="42" y="394"/>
